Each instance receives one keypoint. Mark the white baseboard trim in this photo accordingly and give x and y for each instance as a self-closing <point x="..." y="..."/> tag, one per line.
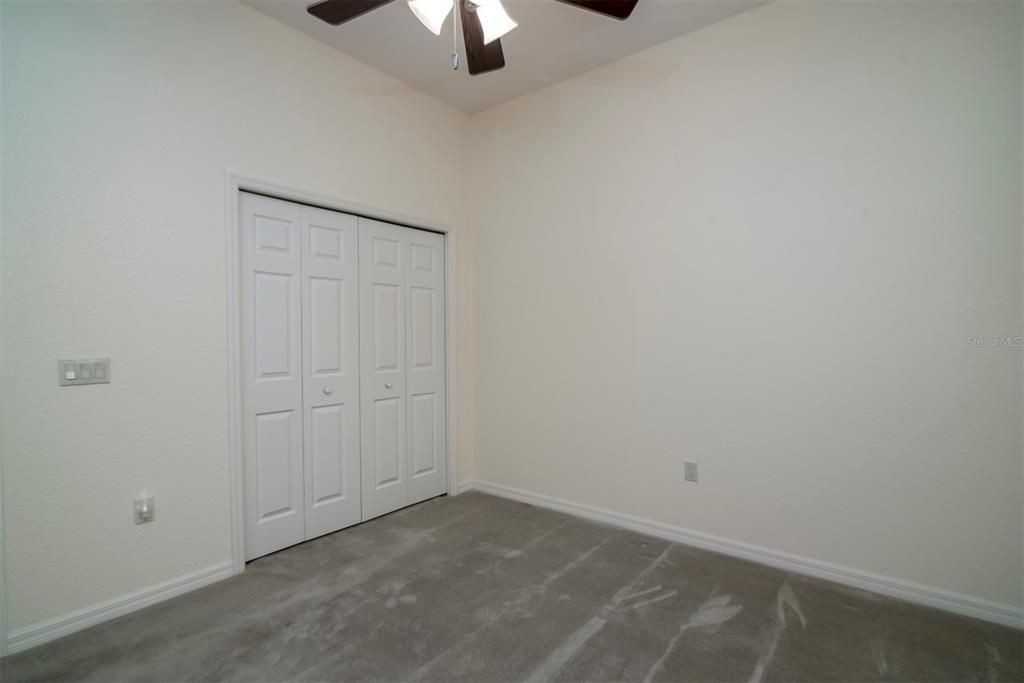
<point x="959" y="603"/>
<point x="51" y="629"/>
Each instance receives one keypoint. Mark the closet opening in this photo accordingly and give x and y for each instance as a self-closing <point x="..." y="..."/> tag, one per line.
<point x="340" y="338"/>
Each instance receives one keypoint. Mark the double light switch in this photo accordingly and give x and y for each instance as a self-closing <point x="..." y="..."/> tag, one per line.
<point x="85" y="371"/>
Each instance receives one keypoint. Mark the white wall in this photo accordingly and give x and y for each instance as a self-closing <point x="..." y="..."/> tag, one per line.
<point x="763" y="247"/>
<point x="120" y="120"/>
<point x="3" y="572"/>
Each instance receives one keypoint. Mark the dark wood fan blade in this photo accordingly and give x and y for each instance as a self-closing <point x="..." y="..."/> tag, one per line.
<point x="479" y="57"/>
<point x="336" y="12"/>
<point x="619" y="9"/>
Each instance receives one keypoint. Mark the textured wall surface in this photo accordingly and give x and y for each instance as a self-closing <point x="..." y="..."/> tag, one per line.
<point x="764" y="247"/>
<point x="120" y="120"/>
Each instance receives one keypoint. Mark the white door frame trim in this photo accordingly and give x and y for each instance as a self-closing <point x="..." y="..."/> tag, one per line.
<point x="236" y="183"/>
<point x="3" y="569"/>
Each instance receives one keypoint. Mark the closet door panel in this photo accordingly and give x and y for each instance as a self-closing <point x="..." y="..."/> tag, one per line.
<point x="327" y="311"/>
<point x="382" y="330"/>
<point x="271" y="318"/>
<point x="423" y="434"/>
<point x="427" y="447"/>
<point x="330" y="282"/>
<point x="388" y="470"/>
<point x="328" y="470"/>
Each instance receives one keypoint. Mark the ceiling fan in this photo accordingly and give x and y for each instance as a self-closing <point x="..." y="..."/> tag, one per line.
<point x="484" y="22"/>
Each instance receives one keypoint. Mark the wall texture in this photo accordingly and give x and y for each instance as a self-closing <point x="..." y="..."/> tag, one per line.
<point x="120" y="120"/>
<point x="764" y="247"/>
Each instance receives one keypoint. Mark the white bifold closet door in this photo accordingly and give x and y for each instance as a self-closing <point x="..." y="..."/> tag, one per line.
<point x="402" y="366"/>
<point x="343" y="381"/>
<point x="300" y="358"/>
<point x="330" y="370"/>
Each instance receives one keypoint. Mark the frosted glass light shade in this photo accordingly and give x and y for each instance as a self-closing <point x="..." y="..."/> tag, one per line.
<point x="431" y="13"/>
<point x="494" y="20"/>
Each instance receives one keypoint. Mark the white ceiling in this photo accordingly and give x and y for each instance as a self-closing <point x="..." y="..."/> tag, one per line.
<point x="554" y="41"/>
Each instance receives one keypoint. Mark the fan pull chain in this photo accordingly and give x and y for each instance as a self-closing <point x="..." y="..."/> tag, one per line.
<point x="455" y="35"/>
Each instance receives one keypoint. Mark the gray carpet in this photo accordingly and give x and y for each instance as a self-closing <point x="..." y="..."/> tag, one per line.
<point x="476" y="588"/>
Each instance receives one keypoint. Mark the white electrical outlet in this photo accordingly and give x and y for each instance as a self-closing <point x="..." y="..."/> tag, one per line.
<point x="690" y="471"/>
<point x="145" y="510"/>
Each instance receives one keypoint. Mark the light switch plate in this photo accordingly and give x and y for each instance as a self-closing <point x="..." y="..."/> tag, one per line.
<point x="74" y="371"/>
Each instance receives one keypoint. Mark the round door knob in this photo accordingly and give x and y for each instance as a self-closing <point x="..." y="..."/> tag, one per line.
<point x="327" y="391"/>
<point x="387" y="385"/>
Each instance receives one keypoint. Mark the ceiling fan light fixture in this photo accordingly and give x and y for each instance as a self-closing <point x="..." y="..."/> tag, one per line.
<point x="483" y="22"/>
<point x="431" y="13"/>
<point x="494" y="20"/>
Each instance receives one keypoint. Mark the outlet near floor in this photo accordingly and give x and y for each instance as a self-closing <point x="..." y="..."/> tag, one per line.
<point x="145" y="509"/>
